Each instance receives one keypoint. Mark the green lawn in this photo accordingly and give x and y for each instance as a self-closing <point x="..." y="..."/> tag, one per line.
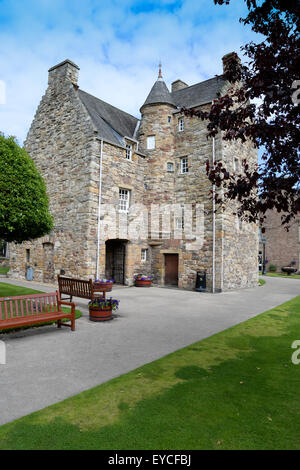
<point x="9" y="290"/>
<point x="235" y="390"/>
<point x="4" y="269"/>
<point x="292" y="276"/>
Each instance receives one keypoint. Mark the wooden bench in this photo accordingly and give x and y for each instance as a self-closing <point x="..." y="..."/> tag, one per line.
<point x="76" y="288"/>
<point x="23" y="310"/>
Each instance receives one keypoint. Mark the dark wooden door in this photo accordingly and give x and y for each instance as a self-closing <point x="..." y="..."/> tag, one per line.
<point x="171" y="270"/>
<point x="115" y="261"/>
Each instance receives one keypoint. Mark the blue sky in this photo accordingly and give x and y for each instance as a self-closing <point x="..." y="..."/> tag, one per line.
<point x="117" y="45"/>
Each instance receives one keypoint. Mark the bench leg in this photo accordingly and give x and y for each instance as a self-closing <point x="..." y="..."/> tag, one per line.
<point x="59" y="324"/>
<point x="73" y="324"/>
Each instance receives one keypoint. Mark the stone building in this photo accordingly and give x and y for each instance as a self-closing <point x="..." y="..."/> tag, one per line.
<point x="104" y="168"/>
<point x="282" y="247"/>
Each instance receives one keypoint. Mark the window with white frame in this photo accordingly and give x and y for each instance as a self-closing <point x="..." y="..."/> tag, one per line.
<point x="124" y="199"/>
<point x="144" y="254"/>
<point x="181" y="124"/>
<point x="170" y="166"/>
<point x="179" y="223"/>
<point x="151" y="142"/>
<point x="128" y="151"/>
<point x="184" y="165"/>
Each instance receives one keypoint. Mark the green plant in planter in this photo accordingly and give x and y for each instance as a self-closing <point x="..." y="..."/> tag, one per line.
<point x="102" y="304"/>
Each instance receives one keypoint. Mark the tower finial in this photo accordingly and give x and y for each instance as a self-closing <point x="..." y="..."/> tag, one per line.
<point x="159" y="70"/>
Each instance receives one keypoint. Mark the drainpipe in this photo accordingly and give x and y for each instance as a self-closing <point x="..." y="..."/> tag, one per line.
<point x="99" y="209"/>
<point x="213" y="224"/>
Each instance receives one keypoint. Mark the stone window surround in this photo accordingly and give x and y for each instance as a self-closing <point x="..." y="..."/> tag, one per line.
<point x="124" y="199"/>
<point x="180" y="124"/>
<point x="153" y="140"/>
<point x="129" y="151"/>
<point x="170" y="170"/>
<point x="184" y="165"/>
<point x="144" y="255"/>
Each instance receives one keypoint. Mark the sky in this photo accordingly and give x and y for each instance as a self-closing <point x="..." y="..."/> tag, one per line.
<point x="116" y="44"/>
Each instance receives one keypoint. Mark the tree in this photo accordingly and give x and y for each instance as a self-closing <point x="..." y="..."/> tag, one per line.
<point x="264" y="107"/>
<point x="24" y="213"/>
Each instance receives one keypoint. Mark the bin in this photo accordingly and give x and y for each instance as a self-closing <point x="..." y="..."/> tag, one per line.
<point x="201" y="281"/>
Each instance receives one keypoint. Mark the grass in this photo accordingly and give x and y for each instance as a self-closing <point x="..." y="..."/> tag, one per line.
<point x="292" y="276"/>
<point x="237" y="389"/>
<point x="4" y="269"/>
<point x="261" y="282"/>
<point x="9" y="290"/>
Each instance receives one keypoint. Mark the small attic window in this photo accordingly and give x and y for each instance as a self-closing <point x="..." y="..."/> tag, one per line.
<point x="151" y="142"/>
<point x="128" y="151"/>
<point x="181" y="124"/>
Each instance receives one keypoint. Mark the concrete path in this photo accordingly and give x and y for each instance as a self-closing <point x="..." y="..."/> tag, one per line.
<point x="47" y="365"/>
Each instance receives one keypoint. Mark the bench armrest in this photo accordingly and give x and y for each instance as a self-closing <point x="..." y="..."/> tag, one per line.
<point x="68" y="304"/>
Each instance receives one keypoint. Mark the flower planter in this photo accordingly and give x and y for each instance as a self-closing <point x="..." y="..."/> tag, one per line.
<point x="100" y="314"/>
<point x="103" y="286"/>
<point x="143" y="282"/>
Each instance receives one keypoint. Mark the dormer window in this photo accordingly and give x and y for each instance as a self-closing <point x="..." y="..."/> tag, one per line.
<point x="181" y="124"/>
<point x="151" y="142"/>
<point x="129" y="151"/>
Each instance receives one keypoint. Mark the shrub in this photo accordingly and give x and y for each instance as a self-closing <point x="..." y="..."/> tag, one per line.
<point x="272" y="268"/>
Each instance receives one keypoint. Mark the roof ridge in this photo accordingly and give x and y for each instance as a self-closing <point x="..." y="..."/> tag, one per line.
<point x="195" y="84"/>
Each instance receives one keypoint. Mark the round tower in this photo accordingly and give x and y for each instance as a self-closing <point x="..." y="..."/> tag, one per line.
<point x="156" y="137"/>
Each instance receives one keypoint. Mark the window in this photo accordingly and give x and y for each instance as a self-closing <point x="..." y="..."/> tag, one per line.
<point x="169" y="118"/>
<point x="27" y="255"/>
<point x="184" y="167"/>
<point x="3" y="247"/>
<point x="170" y="166"/>
<point x="236" y="165"/>
<point x="144" y="254"/>
<point x="151" y="142"/>
<point x="128" y="151"/>
<point x="181" y="124"/>
<point x="179" y="223"/>
<point x="124" y="198"/>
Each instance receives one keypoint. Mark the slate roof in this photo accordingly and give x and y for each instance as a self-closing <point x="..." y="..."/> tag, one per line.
<point x="200" y="93"/>
<point x="159" y="93"/>
<point x="112" y="123"/>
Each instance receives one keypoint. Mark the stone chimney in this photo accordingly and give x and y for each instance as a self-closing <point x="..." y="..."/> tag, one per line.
<point x="178" y="85"/>
<point x="62" y="72"/>
<point x="227" y="58"/>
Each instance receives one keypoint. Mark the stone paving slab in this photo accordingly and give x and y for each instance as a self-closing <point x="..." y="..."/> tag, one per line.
<point x="46" y="365"/>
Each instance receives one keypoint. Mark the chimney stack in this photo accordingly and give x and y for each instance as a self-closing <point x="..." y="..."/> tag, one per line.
<point x="178" y="85"/>
<point x="226" y="59"/>
<point x="62" y="72"/>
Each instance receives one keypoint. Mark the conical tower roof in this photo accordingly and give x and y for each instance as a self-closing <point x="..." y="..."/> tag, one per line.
<point x="159" y="93"/>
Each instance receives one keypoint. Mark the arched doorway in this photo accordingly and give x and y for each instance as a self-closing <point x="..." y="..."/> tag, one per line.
<point x="115" y="260"/>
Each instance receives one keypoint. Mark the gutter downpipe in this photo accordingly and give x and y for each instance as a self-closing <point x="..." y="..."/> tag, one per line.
<point x="99" y="209"/>
<point x="213" y="225"/>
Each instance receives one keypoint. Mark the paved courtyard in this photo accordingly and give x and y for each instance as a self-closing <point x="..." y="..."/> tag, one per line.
<point x="46" y="365"/>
